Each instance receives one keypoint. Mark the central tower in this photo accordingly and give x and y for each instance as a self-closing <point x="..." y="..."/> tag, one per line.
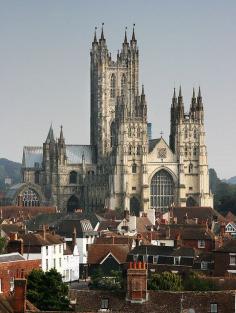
<point x="109" y="80"/>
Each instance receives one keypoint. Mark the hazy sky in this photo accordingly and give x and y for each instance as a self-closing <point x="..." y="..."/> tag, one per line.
<point x="44" y="66"/>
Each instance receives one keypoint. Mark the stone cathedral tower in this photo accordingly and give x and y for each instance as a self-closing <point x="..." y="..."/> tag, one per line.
<point x="122" y="168"/>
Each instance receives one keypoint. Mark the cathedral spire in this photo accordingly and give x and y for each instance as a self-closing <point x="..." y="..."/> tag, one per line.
<point x="125" y="39"/>
<point x="102" y="34"/>
<point x="143" y="95"/>
<point x="174" y="99"/>
<point x="50" y="136"/>
<point x="199" y="99"/>
<point x="61" y="134"/>
<point x="95" y="36"/>
<point x="180" y="104"/>
<point x="133" y="34"/>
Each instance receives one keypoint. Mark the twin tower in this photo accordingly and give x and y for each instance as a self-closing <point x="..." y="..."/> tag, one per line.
<point x="143" y="173"/>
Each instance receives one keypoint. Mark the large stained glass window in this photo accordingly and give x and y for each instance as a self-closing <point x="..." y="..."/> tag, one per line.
<point x="30" y="198"/>
<point x="161" y="191"/>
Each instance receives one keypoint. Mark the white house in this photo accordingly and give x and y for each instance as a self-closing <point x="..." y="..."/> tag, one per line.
<point x="230" y="228"/>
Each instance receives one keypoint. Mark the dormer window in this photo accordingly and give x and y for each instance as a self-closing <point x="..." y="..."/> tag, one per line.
<point x="104" y="304"/>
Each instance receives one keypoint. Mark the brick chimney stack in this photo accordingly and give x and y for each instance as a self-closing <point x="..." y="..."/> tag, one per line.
<point x="18" y="300"/>
<point x="15" y="244"/>
<point x="137" y="282"/>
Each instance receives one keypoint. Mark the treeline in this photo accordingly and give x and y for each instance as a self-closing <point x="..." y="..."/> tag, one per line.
<point x="224" y="194"/>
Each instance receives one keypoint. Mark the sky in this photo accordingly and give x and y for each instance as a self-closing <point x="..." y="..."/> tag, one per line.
<point x="45" y="67"/>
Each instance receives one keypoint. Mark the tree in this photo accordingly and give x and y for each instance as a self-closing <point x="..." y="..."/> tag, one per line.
<point x="47" y="290"/>
<point x="194" y="282"/>
<point x="112" y="282"/>
<point x="165" y="281"/>
<point x="2" y="244"/>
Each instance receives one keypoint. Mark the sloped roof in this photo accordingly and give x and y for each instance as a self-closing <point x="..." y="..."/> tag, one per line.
<point x="152" y="143"/>
<point x="75" y="154"/>
<point x="32" y="155"/>
<point x="97" y="252"/>
<point x="229" y="246"/>
<point x="11" y="257"/>
<point x="202" y="213"/>
<point x="33" y="240"/>
<point x="230" y="217"/>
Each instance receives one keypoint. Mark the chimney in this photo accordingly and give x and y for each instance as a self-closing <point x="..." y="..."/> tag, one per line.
<point x="137" y="283"/>
<point x="15" y="244"/>
<point x="18" y="300"/>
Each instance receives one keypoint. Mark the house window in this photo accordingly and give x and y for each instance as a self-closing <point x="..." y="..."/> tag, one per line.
<point x="60" y="262"/>
<point x="177" y="260"/>
<point x="11" y="283"/>
<point x="214" y="308"/>
<point x="54" y="263"/>
<point x="204" y="265"/>
<point x="232" y="258"/>
<point x="46" y="264"/>
<point x="60" y="248"/>
<point x="46" y="250"/>
<point x="54" y="248"/>
<point x="201" y="244"/>
<point x="155" y="259"/>
<point x="104" y="304"/>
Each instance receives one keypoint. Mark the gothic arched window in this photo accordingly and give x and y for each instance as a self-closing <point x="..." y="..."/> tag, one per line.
<point x="138" y="132"/>
<point x="36" y="177"/>
<point x="30" y="198"/>
<point x="139" y="148"/>
<point x="130" y="150"/>
<point x="195" y="151"/>
<point x="129" y="132"/>
<point x="123" y="85"/>
<point x="134" y="168"/>
<point x="113" y="133"/>
<point x="190" y="168"/>
<point x="73" y="177"/>
<point x="186" y="151"/>
<point x="161" y="191"/>
<point x="113" y="86"/>
<point x="195" y="133"/>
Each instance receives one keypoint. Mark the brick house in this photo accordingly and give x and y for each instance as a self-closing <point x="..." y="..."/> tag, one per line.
<point x="225" y="259"/>
<point x="12" y="266"/>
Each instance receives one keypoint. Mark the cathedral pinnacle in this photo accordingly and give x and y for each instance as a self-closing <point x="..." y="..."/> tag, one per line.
<point x="50" y="137"/>
<point x="174" y="99"/>
<point x="61" y="134"/>
<point x="95" y="36"/>
<point x="180" y="92"/>
<point x="199" y="93"/>
<point x="193" y="97"/>
<point x="133" y="34"/>
<point x="143" y="94"/>
<point x="125" y="40"/>
<point x="102" y="33"/>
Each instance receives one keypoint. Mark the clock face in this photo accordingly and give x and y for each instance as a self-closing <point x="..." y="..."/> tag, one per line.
<point x="161" y="153"/>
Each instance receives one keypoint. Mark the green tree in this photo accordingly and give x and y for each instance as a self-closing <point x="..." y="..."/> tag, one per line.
<point x="165" y="281"/>
<point x="2" y="244"/>
<point x="101" y="281"/>
<point x="47" y="290"/>
<point x="194" y="282"/>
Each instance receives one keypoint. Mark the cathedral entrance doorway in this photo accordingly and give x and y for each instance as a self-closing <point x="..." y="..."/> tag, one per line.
<point x="134" y="206"/>
<point x="161" y="191"/>
<point x="72" y="204"/>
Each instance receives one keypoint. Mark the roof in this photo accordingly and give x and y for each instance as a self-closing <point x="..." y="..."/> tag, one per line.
<point x="230" y="217"/>
<point x="228" y="246"/>
<point x="162" y="250"/>
<point x="202" y="213"/>
<point x="34" y="241"/>
<point x="108" y="225"/>
<point x="11" y="257"/>
<point x="153" y="143"/>
<point x="75" y="154"/>
<point x="142" y="223"/>
<point x="10" y="228"/>
<point x="158" y="302"/>
<point x="66" y="226"/>
<point x="32" y="155"/>
<point x="97" y="253"/>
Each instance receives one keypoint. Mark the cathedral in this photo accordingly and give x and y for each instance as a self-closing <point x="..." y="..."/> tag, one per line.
<point x="123" y="168"/>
